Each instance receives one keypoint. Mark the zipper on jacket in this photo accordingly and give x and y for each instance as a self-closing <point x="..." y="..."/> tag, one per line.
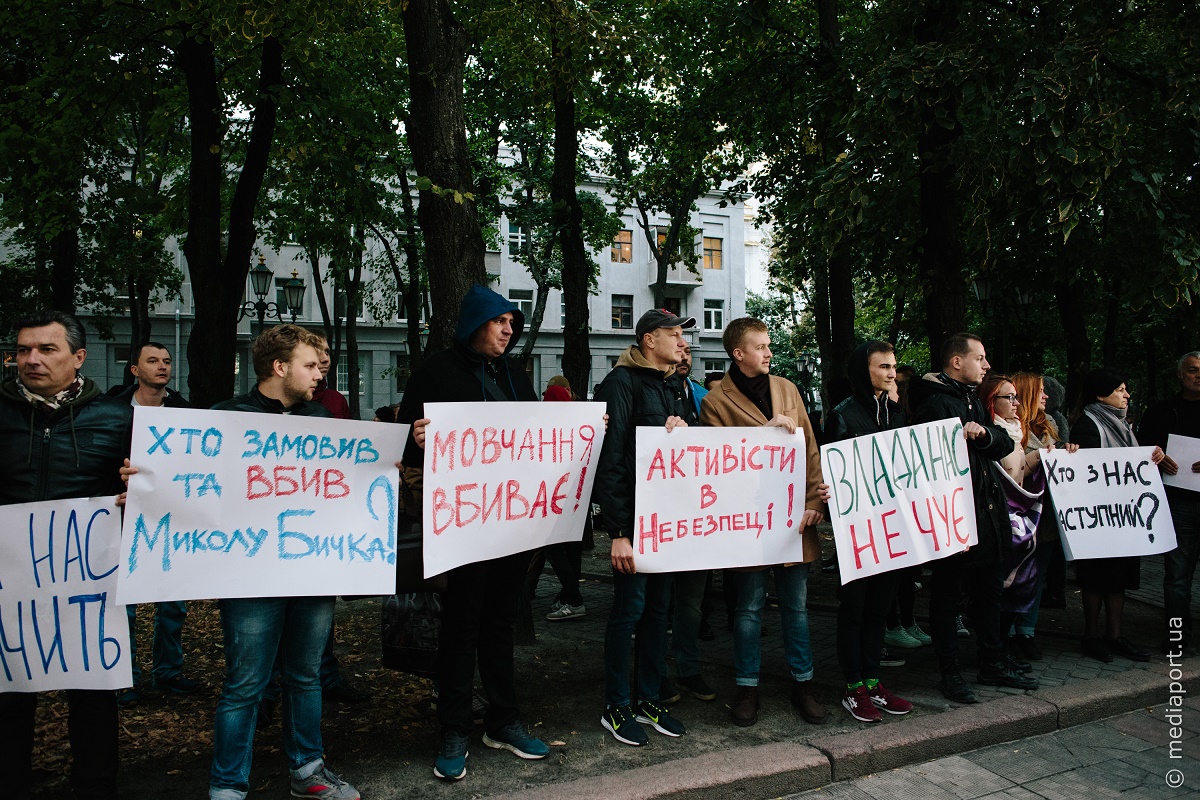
<point x="45" y="470"/>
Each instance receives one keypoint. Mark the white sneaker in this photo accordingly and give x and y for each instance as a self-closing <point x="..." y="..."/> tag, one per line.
<point x="566" y="611"/>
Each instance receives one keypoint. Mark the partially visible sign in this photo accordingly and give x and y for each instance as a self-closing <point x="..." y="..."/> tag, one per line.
<point x="1185" y="450"/>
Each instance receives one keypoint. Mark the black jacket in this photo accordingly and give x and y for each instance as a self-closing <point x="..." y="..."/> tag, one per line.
<point x="934" y="400"/>
<point x="636" y="396"/>
<point x="861" y="414"/>
<point x="76" y="451"/>
<point x="256" y="402"/>
<point x="1180" y="417"/>
<point x="173" y="398"/>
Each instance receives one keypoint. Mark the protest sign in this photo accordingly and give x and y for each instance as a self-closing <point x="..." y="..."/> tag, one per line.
<point x="900" y="498"/>
<point x="503" y="478"/>
<point x="60" y="624"/>
<point x="710" y="498"/>
<point x="233" y="504"/>
<point x="1185" y="450"/>
<point x="1109" y="502"/>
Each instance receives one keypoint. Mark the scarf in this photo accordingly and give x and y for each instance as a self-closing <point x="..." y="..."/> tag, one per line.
<point x="56" y="401"/>
<point x="1114" y="430"/>
<point x="757" y="389"/>
<point x="1013" y="427"/>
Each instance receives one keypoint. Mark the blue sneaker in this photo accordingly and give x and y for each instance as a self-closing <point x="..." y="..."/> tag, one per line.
<point x="515" y="738"/>
<point x="652" y="713"/>
<point x="451" y="763"/>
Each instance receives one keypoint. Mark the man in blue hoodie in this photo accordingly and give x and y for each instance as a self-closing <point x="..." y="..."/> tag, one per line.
<point x="480" y="601"/>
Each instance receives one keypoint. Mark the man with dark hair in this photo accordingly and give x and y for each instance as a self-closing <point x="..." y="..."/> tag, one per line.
<point x="480" y="600"/>
<point x="952" y="394"/>
<point x="82" y="438"/>
<point x="1180" y="415"/>
<point x="151" y="367"/>
<point x="643" y="389"/>
<point x="286" y="362"/>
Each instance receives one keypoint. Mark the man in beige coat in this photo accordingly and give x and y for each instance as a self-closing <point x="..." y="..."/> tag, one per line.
<point x="748" y="396"/>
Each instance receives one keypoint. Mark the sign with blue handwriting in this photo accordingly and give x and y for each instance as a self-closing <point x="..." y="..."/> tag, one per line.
<point x="60" y="624"/>
<point x="234" y="504"/>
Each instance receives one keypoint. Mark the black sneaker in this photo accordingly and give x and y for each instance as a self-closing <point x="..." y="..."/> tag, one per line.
<point x="619" y="721"/>
<point x="697" y="688"/>
<point x="955" y="688"/>
<point x="998" y="673"/>
<point x="1017" y="664"/>
<point x="889" y="659"/>
<point x="656" y="714"/>
<point x="177" y="684"/>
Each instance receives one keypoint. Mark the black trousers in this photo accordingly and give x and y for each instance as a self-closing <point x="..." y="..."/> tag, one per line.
<point x="982" y="584"/>
<point x="862" y="617"/>
<point x="91" y="728"/>
<point x="566" y="559"/>
<point x="478" y="609"/>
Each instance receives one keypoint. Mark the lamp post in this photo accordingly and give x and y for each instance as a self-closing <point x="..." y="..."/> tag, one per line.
<point x="261" y="278"/>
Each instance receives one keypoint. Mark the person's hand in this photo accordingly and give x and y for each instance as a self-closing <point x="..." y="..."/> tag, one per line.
<point x="121" y="499"/>
<point x="418" y="431"/>
<point x="126" y="470"/>
<point x="1071" y="447"/>
<point x="1196" y="467"/>
<point x="622" y="555"/>
<point x="675" y="422"/>
<point x="606" y="423"/>
<point x="810" y="517"/>
<point x="782" y="421"/>
<point x="825" y="492"/>
<point x="973" y="430"/>
<point x="1167" y="464"/>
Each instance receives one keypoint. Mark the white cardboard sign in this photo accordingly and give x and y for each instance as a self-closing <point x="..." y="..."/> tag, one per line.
<point x="503" y="478"/>
<point x="1109" y="502"/>
<point x="900" y="497"/>
<point x="712" y="498"/>
<point x="1186" y="451"/>
<point x="60" y="624"/>
<point x="236" y="504"/>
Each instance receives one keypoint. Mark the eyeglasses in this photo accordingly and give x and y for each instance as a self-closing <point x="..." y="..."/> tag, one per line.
<point x="1012" y="398"/>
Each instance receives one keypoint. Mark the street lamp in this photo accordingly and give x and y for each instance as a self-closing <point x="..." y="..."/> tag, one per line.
<point x="261" y="278"/>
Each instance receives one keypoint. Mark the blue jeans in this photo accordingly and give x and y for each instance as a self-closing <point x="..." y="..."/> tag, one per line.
<point x="1179" y="565"/>
<point x="167" y="649"/>
<point x="685" y="641"/>
<point x="639" y="598"/>
<point x="254" y="629"/>
<point x="791" y="584"/>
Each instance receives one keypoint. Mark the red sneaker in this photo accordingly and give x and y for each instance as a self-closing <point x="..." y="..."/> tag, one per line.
<point x="861" y="706"/>
<point x="884" y="699"/>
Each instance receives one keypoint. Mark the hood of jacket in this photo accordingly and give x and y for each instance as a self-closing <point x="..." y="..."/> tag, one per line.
<point x="480" y="305"/>
<point x="632" y="357"/>
<point x="931" y="384"/>
<point x="1056" y="394"/>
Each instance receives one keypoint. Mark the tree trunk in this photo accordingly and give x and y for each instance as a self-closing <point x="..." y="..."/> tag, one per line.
<point x="353" y="287"/>
<point x="568" y="220"/>
<point x="1068" y="298"/>
<point x="939" y="252"/>
<point x="64" y="260"/>
<point x="436" y="45"/>
<point x="412" y="263"/>
<point x="820" y="305"/>
<point x="218" y="283"/>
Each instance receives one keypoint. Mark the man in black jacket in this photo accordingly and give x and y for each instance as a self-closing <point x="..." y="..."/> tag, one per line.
<point x="642" y="389"/>
<point x="952" y="394"/>
<point x="60" y="437"/>
<point x="480" y="601"/>
<point x="151" y="368"/>
<point x="256" y="628"/>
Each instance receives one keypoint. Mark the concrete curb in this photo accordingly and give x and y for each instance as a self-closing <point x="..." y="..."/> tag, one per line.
<point x="786" y="767"/>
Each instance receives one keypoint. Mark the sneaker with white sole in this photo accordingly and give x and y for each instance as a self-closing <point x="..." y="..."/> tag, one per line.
<point x="323" y="785"/>
<point x="884" y="700"/>
<point x="451" y="762"/>
<point x="859" y="704"/>
<point x="657" y="716"/>
<point x="901" y="639"/>
<point x="921" y="636"/>
<point x="619" y="721"/>
<point x="564" y="611"/>
<point x="514" y="738"/>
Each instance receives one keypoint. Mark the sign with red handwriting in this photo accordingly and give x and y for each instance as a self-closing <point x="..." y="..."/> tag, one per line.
<point x="899" y="498"/>
<point x="236" y="504"/>
<point x="1109" y="501"/>
<point x="711" y="498"/>
<point x="503" y="478"/>
<point x="60" y="624"/>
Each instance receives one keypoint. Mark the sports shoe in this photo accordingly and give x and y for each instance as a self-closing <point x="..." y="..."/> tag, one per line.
<point x="901" y="638"/>
<point x="961" y="628"/>
<point x="955" y="688"/>
<point x="884" y="700"/>
<point x="619" y="721"/>
<point x="564" y="611"/>
<point x="887" y="659"/>
<point x="697" y="688"/>
<point x="999" y="673"/>
<point x="514" y="738"/>
<point x="324" y="785"/>
<point x="451" y="763"/>
<point x="859" y="704"/>
<point x="921" y="636"/>
<point x="177" y="684"/>
<point x="1017" y="664"/>
<point x="657" y="716"/>
<point x="127" y="698"/>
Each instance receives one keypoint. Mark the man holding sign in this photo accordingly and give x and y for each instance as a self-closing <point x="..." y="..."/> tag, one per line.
<point x="979" y="571"/>
<point x="256" y="628"/>
<point x="61" y="438"/>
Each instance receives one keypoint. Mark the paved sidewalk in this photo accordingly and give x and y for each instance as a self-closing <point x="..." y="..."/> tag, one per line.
<point x="1126" y="756"/>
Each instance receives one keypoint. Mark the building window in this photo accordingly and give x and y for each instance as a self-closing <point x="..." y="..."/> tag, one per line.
<point x="622" y="312"/>
<point x="714" y="365"/>
<point x="343" y="373"/>
<point x="403" y="371"/>
<point x="522" y="299"/>
<point x="516" y="238"/>
<point x="712" y="253"/>
<point x="714" y="315"/>
<point x="622" y="247"/>
<point x="674" y="305"/>
<point x="121" y="354"/>
<point x="339" y="306"/>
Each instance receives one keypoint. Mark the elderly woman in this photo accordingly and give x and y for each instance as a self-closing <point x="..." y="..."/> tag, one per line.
<point x="1100" y="422"/>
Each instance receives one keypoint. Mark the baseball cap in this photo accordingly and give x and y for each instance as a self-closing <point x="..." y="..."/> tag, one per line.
<point x="657" y="318"/>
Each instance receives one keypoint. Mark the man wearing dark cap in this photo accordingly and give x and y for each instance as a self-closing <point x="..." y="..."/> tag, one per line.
<point x="643" y="389"/>
<point x="480" y="601"/>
